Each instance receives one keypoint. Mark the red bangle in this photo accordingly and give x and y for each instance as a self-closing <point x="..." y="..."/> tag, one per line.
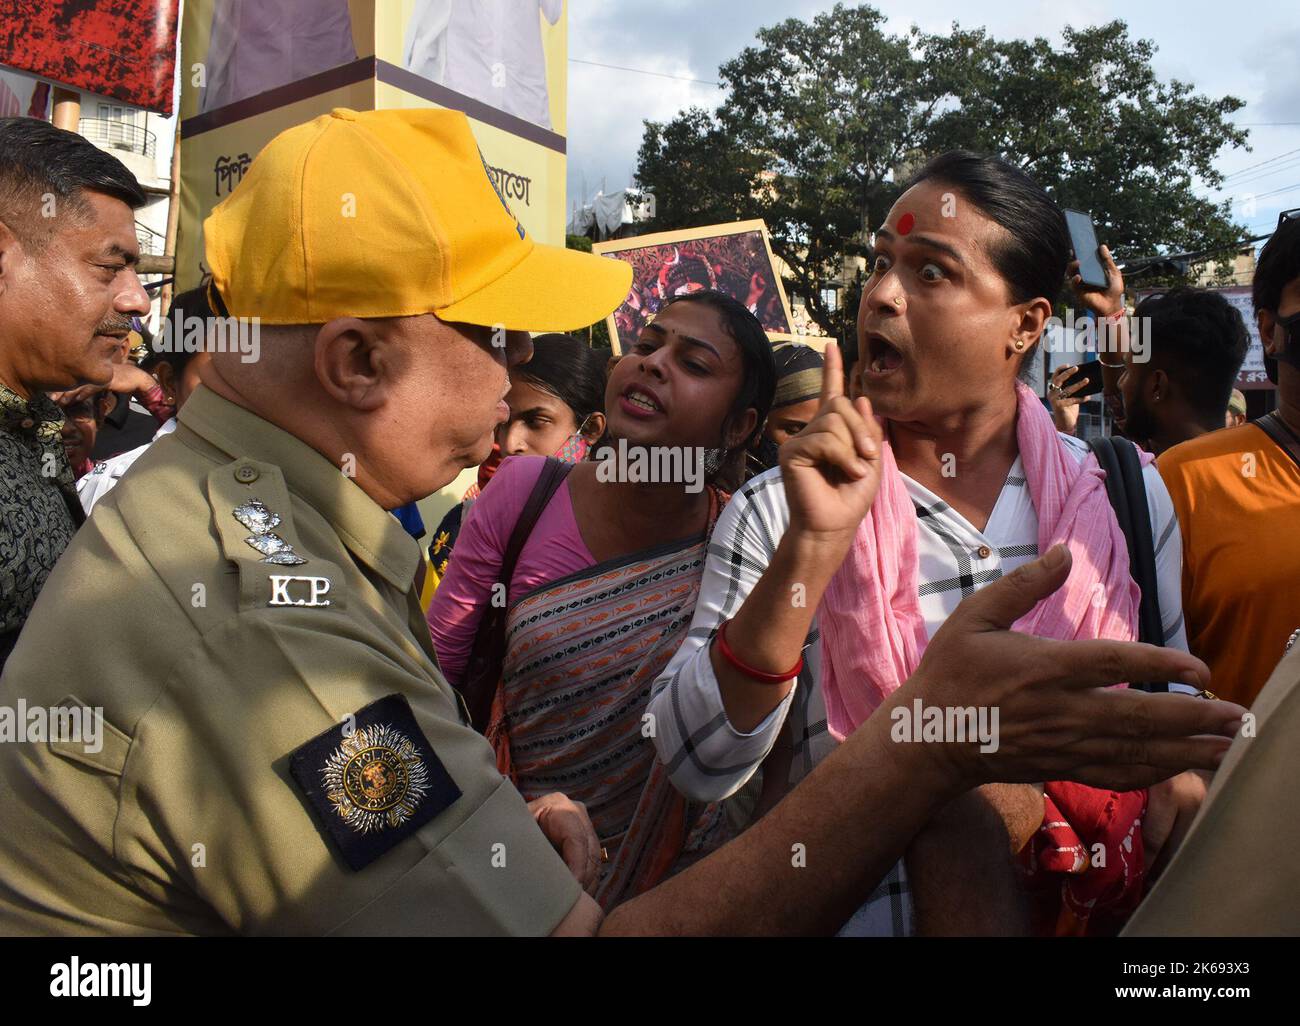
<point x="763" y="678"/>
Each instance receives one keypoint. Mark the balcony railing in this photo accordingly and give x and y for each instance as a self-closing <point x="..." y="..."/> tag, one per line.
<point x="119" y="135"/>
<point x="151" y="242"/>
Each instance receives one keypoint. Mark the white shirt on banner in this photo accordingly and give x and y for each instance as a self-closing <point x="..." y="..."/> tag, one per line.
<point x="488" y="50"/>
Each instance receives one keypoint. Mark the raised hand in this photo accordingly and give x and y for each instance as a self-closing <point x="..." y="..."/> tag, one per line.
<point x="1100" y="301"/>
<point x="72" y="396"/>
<point x="831" y="469"/>
<point x="1065" y="406"/>
<point x="1058" y="717"/>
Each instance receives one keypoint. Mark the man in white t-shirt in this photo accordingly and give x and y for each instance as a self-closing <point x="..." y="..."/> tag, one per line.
<point x="177" y="369"/>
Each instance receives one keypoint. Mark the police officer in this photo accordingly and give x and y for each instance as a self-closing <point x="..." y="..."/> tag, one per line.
<point x="1234" y="875"/>
<point x="279" y="753"/>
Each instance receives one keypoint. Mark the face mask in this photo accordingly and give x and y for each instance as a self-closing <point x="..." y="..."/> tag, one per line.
<point x="489" y="466"/>
<point x="575" y="447"/>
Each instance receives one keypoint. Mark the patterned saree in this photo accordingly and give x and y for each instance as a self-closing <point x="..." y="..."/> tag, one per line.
<point x="581" y="655"/>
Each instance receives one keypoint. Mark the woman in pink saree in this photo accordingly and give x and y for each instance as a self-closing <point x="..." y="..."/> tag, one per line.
<point x="602" y="591"/>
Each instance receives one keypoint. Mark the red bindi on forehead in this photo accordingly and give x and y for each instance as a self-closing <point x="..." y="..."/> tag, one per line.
<point x="906" y="223"/>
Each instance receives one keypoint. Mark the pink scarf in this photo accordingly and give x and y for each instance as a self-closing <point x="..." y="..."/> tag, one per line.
<point x="872" y="630"/>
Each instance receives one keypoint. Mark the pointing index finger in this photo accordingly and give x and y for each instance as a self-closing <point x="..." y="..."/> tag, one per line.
<point x="832" y="373"/>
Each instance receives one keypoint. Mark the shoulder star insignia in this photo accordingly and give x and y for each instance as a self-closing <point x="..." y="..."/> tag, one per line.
<point x="261" y="521"/>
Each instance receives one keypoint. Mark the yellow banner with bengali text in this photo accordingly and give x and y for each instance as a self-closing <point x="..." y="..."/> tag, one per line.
<point x="251" y="69"/>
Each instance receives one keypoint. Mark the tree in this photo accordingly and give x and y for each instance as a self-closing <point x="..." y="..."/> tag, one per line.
<point x="1095" y="127"/>
<point x="822" y="121"/>
<point x="696" y="170"/>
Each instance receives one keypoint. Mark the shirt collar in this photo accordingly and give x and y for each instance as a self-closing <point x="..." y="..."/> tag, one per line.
<point x="372" y="534"/>
<point x="40" y="415"/>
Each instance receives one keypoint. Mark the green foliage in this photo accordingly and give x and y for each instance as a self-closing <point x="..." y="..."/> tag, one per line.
<point x="824" y="119"/>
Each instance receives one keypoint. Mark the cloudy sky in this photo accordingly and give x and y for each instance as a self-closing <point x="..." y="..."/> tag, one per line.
<point x="1254" y="54"/>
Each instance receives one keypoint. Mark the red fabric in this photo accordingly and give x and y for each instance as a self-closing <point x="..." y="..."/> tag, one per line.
<point x="485" y="471"/>
<point x="125" y="49"/>
<point x="156" y="403"/>
<point x="1085" y="864"/>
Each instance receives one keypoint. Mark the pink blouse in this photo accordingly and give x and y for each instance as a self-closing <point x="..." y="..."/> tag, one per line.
<point x="554" y="550"/>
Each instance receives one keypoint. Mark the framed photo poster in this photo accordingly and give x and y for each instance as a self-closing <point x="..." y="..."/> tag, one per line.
<point x="733" y="258"/>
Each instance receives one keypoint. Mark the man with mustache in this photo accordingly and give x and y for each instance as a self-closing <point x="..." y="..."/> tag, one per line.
<point x="959" y="293"/>
<point x="68" y="288"/>
<point x="273" y="651"/>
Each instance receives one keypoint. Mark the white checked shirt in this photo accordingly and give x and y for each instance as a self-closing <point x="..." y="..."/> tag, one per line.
<point x="708" y="759"/>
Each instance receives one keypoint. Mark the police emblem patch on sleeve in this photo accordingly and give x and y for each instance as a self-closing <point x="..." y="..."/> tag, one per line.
<point x="373" y="782"/>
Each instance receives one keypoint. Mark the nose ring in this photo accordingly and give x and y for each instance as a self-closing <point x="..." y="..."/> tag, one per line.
<point x="898" y="301"/>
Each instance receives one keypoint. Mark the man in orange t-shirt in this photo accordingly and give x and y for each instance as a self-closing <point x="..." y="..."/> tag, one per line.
<point x="1237" y="495"/>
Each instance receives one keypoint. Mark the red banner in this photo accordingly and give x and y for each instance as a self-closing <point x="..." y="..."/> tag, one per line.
<point x="125" y="49"/>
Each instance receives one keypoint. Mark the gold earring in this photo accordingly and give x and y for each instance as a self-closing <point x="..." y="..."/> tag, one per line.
<point x="1020" y="343"/>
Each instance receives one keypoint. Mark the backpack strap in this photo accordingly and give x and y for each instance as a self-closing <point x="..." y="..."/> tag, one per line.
<point x="1142" y="545"/>
<point x="483" y="671"/>
<point x="1108" y="460"/>
<point x="1276" y="428"/>
<point x="1126" y="489"/>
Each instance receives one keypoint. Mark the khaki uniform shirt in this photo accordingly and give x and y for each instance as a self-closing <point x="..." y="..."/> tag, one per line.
<point x="1236" y="873"/>
<point x="237" y="607"/>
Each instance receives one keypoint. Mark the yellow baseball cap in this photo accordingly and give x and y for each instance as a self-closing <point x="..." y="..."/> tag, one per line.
<point x="391" y="213"/>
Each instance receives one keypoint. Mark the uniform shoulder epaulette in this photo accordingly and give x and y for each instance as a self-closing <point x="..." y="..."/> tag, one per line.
<point x="251" y="512"/>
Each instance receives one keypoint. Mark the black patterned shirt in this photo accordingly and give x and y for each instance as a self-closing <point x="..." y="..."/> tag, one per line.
<point x="39" y="510"/>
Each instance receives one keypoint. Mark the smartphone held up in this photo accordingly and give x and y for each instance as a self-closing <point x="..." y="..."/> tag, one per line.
<point x="1090" y="373"/>
<point x="1083" y="238"/>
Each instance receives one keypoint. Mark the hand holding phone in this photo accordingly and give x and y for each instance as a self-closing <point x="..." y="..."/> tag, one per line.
<point x="1067" y="391"/>
<point x="1087" y="381"/>
<point x="1084" y="240"/>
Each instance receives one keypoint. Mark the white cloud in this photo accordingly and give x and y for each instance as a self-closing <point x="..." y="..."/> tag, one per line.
<point x="685" y="38"/>
<point x="1250" y="54"/>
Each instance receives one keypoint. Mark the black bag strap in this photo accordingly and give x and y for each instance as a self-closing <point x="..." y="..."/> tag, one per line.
<point x="1142" y="546"/>
<point x="1126" y="489"/>
<point x="1108" y="460"/>
<point x="483" y="671"/>
<point x="1278" y="430"/>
